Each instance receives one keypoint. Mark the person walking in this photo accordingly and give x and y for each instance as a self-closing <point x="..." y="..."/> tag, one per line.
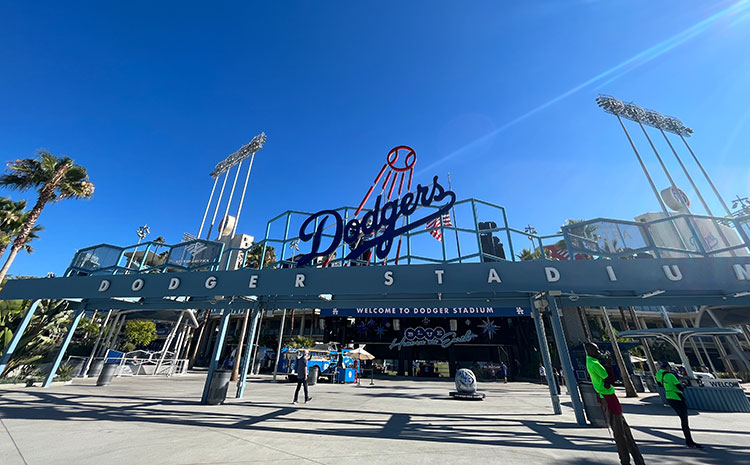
<point x="675" y="398"/>
<point x="624" y="441"/>
<point x="542" y="374"/>
<point x="504" y="372"/>
<point x="302" y="358"/>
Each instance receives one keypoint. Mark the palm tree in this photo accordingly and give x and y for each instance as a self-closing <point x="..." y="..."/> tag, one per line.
<point x="13" y="228"/>
<point x="54" y="178"/>
<point x="10" y="213"/>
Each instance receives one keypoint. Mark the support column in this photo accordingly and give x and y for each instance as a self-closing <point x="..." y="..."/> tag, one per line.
<point x="240" y="344"/>
<point x="96" y="344"/>
<point x="115" y="335"/>
<point x="61" y="352"/>
<point x="708" y="356"/>
<point x="199" y="339"/>
<point x="626" y="381"/>
<point x="255" y="368"/>
<point x="567" y="365"/>
<point x="701" y="362"/>
<point x="544" y="351"/>
<point x="278" y="349"/>
<point x="242" y="381"/>
<point x="113" y="325"/>
<point x="218" y="346"/>
<point x="644" y="343"/>
<point x="732" y="341"/>
<point x="17" y="336"/>
<point x="168" y="342"/>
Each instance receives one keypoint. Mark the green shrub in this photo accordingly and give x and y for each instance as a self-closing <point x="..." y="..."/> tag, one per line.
<point x="300" y="342"/>
<point x="140" y="332"/>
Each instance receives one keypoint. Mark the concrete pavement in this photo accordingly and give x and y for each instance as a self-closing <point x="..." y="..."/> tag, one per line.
<point x="158" y="420"/>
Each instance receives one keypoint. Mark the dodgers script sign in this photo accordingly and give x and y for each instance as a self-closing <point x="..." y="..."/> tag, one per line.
<point x="380" y="219"/>
<point x="378" y="227"/>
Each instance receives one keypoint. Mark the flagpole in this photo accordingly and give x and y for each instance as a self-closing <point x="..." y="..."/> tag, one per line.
<point x="455" y="221"/>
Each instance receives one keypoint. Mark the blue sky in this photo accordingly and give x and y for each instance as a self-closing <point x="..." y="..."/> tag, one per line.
<point x="150" y="95"/>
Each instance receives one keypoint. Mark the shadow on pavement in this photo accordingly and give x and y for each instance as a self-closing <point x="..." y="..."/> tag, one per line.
<point x="479" y="429"/>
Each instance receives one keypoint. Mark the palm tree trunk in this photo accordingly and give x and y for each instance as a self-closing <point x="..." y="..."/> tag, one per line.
<point x="8" y="262"/>
<point x="46" y="194"/>
<point x="2" y="249"/>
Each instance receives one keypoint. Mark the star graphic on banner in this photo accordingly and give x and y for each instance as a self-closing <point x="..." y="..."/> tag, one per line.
<point x="468" y="322"/>
<point x="380" y="331"/>
<point x="362" y="328"/>
<point x="488" y="327"/>
<point x="425" y="321"/>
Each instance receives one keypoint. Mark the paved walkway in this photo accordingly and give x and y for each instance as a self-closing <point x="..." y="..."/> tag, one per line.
<point x="158" y="421"/>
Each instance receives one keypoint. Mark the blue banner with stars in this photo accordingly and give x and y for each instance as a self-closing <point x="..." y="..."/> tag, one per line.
<point x="421" y="312"/>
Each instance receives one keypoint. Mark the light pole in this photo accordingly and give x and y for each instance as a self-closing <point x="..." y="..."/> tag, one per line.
<point x="530" y="230"/>
<point x="142" y="232"/>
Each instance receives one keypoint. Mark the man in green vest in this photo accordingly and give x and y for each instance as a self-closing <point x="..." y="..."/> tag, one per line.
<point x="602" y="382"/>
<point x="673" y="390"/>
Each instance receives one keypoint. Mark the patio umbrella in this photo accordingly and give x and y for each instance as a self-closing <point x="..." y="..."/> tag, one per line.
<point x="361" y="354"/>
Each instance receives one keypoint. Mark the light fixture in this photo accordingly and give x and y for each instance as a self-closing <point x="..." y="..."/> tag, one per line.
<point x="130" y="300"/>
<point x="555" y="293"/>
<point x="454" y="325"/>
<point x="741" y="294"/>
<point x="326" y="297"/>
<point x="397" y="325"/>
<point x="244" y="152"/>
<point x="251" y="298"/>
<point x="573" y="297"/>
<point x="635" y="113"/>
<point x="652" y="294"/>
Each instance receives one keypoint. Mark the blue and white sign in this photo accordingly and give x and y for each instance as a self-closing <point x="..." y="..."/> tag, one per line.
<point x="420" y="336"/>
<point x="421" y="312"/>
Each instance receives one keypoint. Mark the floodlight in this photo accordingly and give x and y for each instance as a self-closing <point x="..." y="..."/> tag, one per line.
<point x="326" y="297"/>
<point x="741" y="294"/>
<point x="244" y="152"/>
<point x="652" y="294"/>
<point x="635" y="113"/>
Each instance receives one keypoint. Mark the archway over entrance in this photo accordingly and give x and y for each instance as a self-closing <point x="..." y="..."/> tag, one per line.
<point x="533" y="286"/>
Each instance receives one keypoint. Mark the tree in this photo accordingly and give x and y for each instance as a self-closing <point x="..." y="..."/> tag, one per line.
<point x="527" y="254"/>
<point x="301" y="342"/>
<point x="140" y="333"/>
<point x="54" y="178"/>
<point x="10" y="213"/>
<point x="252" y="260"/>
<point x="46" y="328"/>
<point x="10" y="311"/>
<point x="13" y="229"/>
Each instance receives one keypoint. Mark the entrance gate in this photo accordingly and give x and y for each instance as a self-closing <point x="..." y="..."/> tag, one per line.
<point x="538" y="285"/>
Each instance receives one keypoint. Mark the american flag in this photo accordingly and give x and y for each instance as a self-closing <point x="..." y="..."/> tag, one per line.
<point x="435" y="224"/>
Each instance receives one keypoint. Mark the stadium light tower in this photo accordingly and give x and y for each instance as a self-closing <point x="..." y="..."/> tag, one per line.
<point x="664" y="124"/>
<point x="224" y="167"/>
<point x="616" y="107"/>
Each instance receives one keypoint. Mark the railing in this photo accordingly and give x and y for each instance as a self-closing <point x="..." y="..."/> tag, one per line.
<point x="681" y="235"/>
<point x="482" y="234"/>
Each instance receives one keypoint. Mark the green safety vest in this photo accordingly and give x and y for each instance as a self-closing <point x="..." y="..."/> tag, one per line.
<point x="598" y="374"/>
<point x="671" y="384"/>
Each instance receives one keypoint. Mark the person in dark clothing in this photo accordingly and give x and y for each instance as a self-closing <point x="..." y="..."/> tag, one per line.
<point x="302" y="359"/>
<point x="676" y="399"/>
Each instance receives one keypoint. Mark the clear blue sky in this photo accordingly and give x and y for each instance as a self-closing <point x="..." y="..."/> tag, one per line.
<point x="150" y="95"/>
